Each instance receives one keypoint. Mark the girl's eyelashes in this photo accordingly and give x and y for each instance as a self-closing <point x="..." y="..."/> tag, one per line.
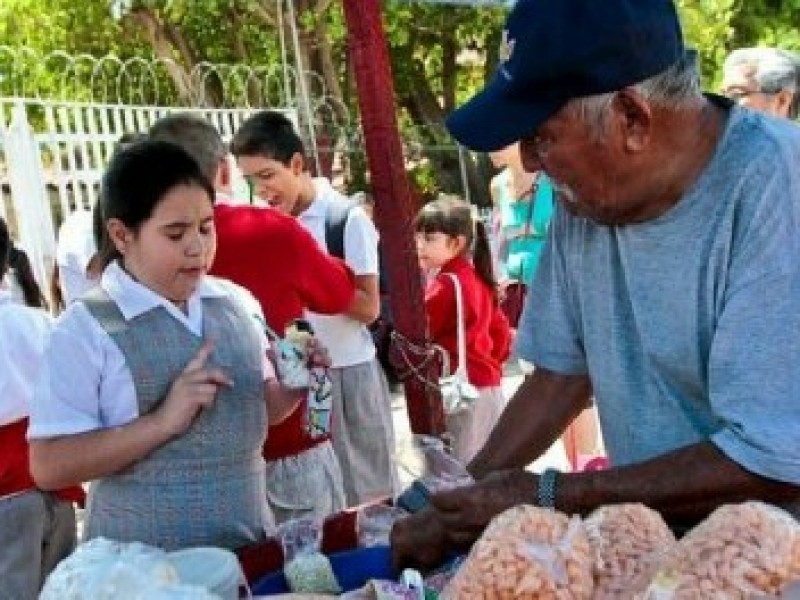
<point x="177" y="236"/>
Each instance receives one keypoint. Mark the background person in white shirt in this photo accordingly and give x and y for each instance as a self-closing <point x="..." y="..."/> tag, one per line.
<point x="81" y="245"/>
<point x="271" y="156"/>
<point x="156" y="386"/>
<point x="74" y="249"/>
<point x="38" y="528"/>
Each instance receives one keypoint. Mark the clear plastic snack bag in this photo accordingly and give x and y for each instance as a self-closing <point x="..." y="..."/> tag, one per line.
<point x="630" y="542"/>
<point x="291" y="354"/>
<point x="527" y="553"/>
<point x="305" y="568"/>
<point x="103" y="569"/>
<point x="740" y="551"/>
<point x="374" y="524"/>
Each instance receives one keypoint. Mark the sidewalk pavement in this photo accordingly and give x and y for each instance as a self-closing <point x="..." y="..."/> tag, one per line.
<point x="555" y="457"/>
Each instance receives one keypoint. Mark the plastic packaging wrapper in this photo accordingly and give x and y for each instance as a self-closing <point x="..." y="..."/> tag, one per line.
<point x="440" y="469"/>
<point x="102" y="569"/>
<point x="739" y="552"/>
<point x="382" y="590"/>
<point x="629" y="542"/>
<point x="374" y="523"/>
<point x="527" y="553"/>
<point x="433" y="469"/>
<point x="306" y="569"/>
<point x="293" y="596"/>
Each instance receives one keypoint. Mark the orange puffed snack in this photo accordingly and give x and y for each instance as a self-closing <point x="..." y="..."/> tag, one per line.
<point x="527" y="553"/>
<point x="739" y="552"/>
<point x="629" y="541"/>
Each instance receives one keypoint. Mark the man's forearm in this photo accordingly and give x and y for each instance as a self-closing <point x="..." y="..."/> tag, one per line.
<point x="684" y="485"/>
<point x="535" y="417"/>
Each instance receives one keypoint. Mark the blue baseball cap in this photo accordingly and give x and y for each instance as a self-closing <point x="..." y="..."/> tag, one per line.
<point x="557" y="50"/>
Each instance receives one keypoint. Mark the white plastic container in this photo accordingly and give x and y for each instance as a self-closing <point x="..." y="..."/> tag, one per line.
<point x="214" y="569"/>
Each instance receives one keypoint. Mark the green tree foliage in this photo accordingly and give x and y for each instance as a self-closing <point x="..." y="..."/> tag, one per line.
<point x="427" y="42"/>
<point x="425" y="39"/>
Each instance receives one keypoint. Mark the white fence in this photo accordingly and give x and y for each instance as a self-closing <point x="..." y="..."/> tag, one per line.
<point x="53" y="149"/>
<point x="53" y="155"/>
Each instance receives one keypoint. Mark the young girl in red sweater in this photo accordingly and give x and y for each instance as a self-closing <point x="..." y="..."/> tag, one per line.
<point x="451" y="243"/>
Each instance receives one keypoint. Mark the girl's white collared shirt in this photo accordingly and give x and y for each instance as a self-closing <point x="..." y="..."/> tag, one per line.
<point x="85" y="383"/>
<point x="23" y="337"/>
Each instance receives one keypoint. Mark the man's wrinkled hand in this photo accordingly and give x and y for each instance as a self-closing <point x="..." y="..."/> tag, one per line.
<point x="418" y="540"/>
<point x="466" y="511"/>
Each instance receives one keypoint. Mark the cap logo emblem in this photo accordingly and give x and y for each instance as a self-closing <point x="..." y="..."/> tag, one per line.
<point x="506" y="47"/>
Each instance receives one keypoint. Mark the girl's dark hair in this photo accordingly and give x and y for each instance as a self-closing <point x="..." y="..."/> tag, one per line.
<point x="137" y="179"/>
<point x="453" y="217"/>
<point x="12" y="257"/>
<point x="105" y="251"/>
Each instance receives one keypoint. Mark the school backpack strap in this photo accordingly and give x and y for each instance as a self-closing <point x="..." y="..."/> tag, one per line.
<point x="335" y="222"/>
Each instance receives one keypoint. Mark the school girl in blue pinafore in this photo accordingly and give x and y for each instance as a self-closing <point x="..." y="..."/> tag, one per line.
<point x="155" y="382"/>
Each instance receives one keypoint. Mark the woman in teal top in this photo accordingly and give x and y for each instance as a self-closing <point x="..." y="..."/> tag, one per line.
<point x="523" y="221"/>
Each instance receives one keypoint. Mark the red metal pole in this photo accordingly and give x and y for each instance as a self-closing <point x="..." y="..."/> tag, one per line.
<point x="394" y="206"/>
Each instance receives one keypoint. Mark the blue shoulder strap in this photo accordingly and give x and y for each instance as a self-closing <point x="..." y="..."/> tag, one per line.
<point x="335" y="222"/>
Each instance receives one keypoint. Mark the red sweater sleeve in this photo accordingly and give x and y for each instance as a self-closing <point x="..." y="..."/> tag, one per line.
<point x="326" y="284"/>
<point x="500" y="331"/>
<point x="440" y="306"/>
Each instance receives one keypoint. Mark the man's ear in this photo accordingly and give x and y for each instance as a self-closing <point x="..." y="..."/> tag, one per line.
<point x="119" y="234"/>
<point x="783" y="102"/>
<point x="636" y="118"/>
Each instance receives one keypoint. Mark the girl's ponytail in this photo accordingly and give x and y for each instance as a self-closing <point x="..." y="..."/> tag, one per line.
<point x="482" y="257"/>
<point x="18" y="260"/>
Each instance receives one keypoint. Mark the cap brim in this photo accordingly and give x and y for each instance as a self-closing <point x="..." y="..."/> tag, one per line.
<point x="492" y="120"/>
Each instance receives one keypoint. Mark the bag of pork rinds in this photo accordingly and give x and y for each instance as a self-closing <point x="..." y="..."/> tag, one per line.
<point x="527" y="553"/>
<point x="747" y="551"/>
<point x="629" y="542"/>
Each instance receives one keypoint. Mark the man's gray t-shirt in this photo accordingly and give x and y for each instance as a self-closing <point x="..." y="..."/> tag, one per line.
<point x="689" y="324"/>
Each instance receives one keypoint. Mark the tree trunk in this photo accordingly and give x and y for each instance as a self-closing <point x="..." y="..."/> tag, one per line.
<point x="155" y="32"/>
<point x="424" y="109"/>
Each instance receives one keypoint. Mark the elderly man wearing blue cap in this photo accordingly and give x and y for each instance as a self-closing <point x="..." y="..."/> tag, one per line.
<point x="669" y="286"/>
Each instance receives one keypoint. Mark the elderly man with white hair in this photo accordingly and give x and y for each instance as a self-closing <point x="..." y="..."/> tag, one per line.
<point x="765" y="79"/>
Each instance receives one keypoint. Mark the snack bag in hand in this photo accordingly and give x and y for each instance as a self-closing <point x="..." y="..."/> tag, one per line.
<point x="319" y="400"/>
<point x="291" y="355"/>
